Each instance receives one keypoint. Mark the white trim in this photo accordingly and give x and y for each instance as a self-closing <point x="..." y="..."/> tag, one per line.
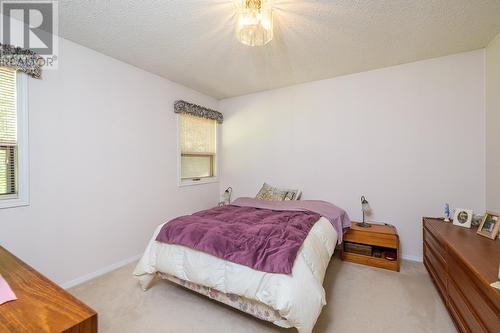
<point x="99" y="272"/>
<point x="119" y="264"/>
<point x="412" y="258"/>
<point x="22" y="198"/>
<point x="177" y="133"/>
<point x="190" y="182"/>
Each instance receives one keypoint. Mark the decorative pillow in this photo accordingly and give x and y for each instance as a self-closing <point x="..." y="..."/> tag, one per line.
<point x="289" y="196"/>
<point x="292" y="194"/>
<point x="268" y="192"/>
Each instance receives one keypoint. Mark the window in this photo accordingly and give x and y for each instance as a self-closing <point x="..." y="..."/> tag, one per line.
<point x="13" y="139"/>
<point x="197" y="144"/>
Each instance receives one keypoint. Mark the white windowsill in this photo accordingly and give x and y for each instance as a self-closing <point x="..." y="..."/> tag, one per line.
<point x="189" y="182"/>
<point x="13" y="201"/>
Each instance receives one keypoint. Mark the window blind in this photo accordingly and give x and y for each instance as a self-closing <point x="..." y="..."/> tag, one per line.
<point x="8" y="131"/>
<point x="197" y="138"/>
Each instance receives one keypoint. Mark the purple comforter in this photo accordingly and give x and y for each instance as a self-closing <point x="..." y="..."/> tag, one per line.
<point x="263" y="235"/>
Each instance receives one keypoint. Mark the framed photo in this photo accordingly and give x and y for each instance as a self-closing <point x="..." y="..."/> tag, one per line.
<point x="463" y="217"/>
<point x="490" y="225"/>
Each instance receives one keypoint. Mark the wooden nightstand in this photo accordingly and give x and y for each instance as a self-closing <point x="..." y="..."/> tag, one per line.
<point x="362" y="245"/>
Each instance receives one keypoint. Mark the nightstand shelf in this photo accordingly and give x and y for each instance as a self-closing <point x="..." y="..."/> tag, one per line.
<point x="379" y="238"/>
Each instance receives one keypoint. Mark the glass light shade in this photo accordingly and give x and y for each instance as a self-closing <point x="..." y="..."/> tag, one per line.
<point x="255" y="22"/>
<point x="365" y="206"/>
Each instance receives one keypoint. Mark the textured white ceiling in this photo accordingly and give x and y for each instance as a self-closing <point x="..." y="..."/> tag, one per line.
<point x="192" y="41"/>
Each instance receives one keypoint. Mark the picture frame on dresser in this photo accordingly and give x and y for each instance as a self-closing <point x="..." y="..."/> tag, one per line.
<point x="489" y="225"/>
<point x="463" y="217"/>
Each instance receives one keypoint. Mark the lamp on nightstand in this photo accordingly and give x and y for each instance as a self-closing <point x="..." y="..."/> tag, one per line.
<point x="365" y="208"/>
<point x="226" y="197"/>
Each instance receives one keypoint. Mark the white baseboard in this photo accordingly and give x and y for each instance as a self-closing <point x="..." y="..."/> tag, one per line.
<point x="104" y="270"/>
<point x="100" y="272"/>
<point x="412" y="258"/>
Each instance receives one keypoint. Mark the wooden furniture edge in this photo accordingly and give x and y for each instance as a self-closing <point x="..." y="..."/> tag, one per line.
<point x="449" y="246"/>
<point x="47" y="280"/>
<point x="456" y="258"/>
<point x="88" y="317"/>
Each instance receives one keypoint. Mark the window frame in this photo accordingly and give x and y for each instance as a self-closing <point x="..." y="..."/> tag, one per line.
<point x="22" y="196"/>
<point x="204" y="180"/>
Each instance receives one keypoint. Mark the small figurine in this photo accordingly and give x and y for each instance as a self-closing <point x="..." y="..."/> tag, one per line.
<point x="447" y="212"/>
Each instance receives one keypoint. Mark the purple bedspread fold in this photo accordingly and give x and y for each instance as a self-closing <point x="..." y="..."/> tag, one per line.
<point x="263" y="235"/>
<point x="337" y="216"/>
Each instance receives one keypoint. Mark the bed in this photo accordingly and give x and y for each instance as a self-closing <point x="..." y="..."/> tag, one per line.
<point x="288" y="293"/>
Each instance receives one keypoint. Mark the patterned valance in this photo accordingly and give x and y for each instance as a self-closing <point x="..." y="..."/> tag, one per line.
<point x="21" y="59"/>
<point x="196" y="110"/>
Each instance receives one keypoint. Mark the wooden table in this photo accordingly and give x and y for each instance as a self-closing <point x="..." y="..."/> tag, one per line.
<point x="381" y="237"/>
<point x="42" y="306"/>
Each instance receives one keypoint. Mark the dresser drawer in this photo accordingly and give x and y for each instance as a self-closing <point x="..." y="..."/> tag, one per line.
<point x="377" y="239"/>
<point x="436" y="269"/>
<point x="435" y="244"/>
<point x="436" y="264"/>
<point x="460" y="307"/>
<point x="478" y="302"/>
<point x="457" y="319"/>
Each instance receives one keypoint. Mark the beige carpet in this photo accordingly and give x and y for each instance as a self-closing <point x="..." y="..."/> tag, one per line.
<point x="360" y="299"/>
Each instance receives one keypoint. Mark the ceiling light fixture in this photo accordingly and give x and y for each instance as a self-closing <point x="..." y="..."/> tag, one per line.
<point x="255" y="22"/>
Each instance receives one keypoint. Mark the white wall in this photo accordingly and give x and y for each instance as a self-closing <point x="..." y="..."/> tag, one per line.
<point x="492" y="125"/>
<point x="103" y="165"/>
<point x="103" y="152"/>
<point x="409" y="138"/>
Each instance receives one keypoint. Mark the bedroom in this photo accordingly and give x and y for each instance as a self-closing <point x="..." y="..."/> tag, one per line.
<point x="394" y="101"/>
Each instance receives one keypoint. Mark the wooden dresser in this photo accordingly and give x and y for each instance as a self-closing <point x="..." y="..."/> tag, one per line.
<point x="42" y="306"/>
<point x="462" y="265"/>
